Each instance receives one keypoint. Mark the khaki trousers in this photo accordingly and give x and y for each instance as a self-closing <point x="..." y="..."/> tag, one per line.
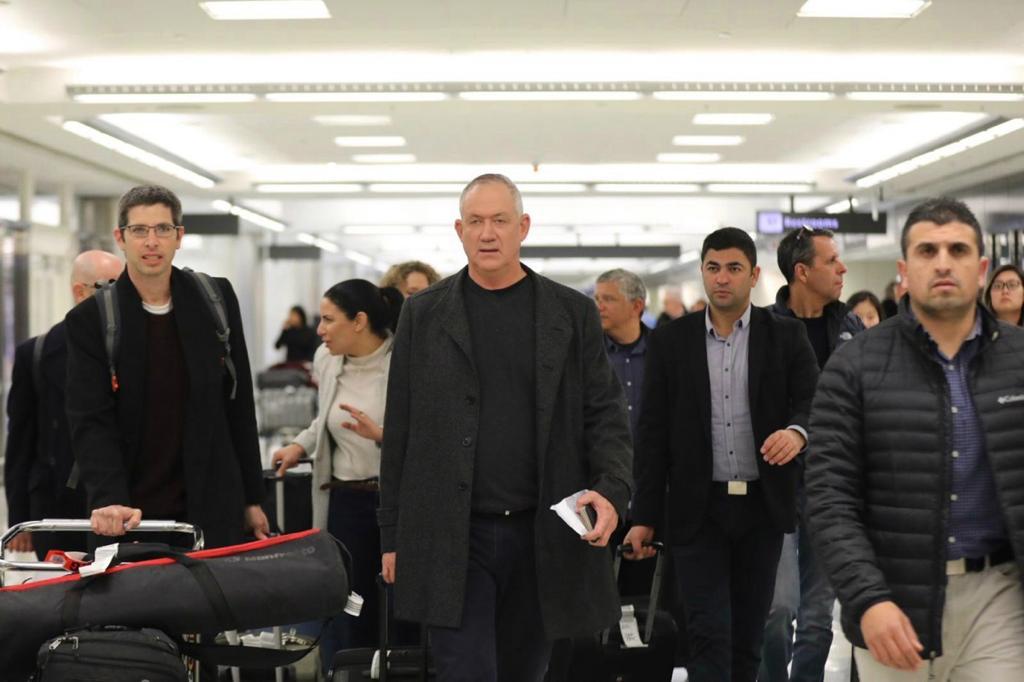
<point x="982" y="633"/>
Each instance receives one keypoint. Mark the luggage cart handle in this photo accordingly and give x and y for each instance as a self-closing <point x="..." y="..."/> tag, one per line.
<point x="272" y="473"/>
<point x="84" y="525"/>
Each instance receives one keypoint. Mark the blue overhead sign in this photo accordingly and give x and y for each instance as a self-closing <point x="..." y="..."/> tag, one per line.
<point x="777" y="222"/>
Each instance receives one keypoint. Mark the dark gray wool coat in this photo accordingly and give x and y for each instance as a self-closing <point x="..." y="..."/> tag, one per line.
<point x="429" y="448"/>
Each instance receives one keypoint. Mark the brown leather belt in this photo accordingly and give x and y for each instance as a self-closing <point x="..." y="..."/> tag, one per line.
<point x="369" y="485"/>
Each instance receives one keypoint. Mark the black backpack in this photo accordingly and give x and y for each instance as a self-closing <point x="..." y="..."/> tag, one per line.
<point x="111" y="654"/>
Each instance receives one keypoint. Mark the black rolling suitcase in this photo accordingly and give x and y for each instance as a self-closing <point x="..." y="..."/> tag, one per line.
<point x="645" y="654"/>
<point x="403" y="663"/>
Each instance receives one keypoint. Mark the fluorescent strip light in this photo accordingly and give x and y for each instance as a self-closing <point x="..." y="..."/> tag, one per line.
<point x="843" y="206"/>
<point x="164" y="97"/>
<point x="416" y="188"/>
<point x="551" y="96"/>
<point x="370" y="141"/>
<point x="356" y="96"/>
<point x="757" y="188"/>
<point x="689" y="256"/>
<point x="732" y="119"/>
<point x="249" y="215"/>
<point x="137" y="154"/>
<point x="689" y="157"/>
<point x="552" y="187"/>
<point x="357" y="257"/>
<point x="376" y="230"/>
<point x="263" y="10"/>
<point x="384" y="158"/>
<point x="306" y="238"/>
<point x="707" y="140"/>
<point x="896" y="96"/>
<point x="943" y="152"/>
<point x="644" y="188"/>
<point x="353" y="120"/>
<point x="309" y="188"/>
<point x="743" y="95"/>
<point x="863" y="9"/>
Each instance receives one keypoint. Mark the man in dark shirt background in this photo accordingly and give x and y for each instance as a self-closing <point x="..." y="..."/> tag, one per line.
<point x="621" y="297"/>
<point x="162" y="430"/>
<point x="809" y="260"/>
<point x="515" y="408"/>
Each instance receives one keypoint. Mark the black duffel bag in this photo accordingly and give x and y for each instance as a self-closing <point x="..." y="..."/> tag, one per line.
<point x="286" y="579"/>
<point x="111" y="654"/>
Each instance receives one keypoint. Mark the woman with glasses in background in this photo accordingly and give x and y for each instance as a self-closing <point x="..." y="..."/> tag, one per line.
<point x="1004" y="295"/>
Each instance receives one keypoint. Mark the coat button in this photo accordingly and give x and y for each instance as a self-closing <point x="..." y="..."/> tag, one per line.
<point x="463" y="486"/>
<point x="467" y="441"/>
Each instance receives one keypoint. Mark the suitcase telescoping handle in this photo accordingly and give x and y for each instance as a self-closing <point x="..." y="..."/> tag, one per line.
<point x="652" y="607"/>
<point x="83" y="525"/>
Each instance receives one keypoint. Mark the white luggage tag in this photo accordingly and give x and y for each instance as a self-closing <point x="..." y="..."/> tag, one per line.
<point x="630" y="628"/>
<point x="101" y="561"/>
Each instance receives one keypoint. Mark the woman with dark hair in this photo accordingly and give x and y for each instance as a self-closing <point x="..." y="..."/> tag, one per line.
<point x="357" y="321"/>
<point x="867" y="307"/>
<point x="1004" y="295"/>
<point x="298" y="339"/>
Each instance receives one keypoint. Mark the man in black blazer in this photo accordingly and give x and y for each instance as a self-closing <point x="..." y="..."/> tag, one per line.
<point x="167" y="434"/>
<point x="38" y="458"/>
<point x="501" y="402"/>
<point x="726" y="402"/>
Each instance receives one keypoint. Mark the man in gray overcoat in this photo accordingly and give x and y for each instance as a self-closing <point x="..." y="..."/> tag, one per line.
<point x="501" y="403"/>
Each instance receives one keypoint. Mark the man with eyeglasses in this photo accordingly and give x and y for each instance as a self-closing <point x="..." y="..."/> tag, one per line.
<point x="164" y="436"/>
<point x="809" y="260"/>
<point x="38" y="457"/>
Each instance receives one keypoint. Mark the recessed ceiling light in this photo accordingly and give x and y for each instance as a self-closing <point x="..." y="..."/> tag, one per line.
<point x="263" y="10"/>
<point x="138" y="154"/>
<point x="732" y="119"/>
<point x="384" y="158"/>
<point x="645" y="188"/>
<point x="758" y="188"/>
<point x="863" y="9"/>
<point x="416" y="188"/>
<point x="550" y="96"/>
<point x="896" y="96"/>
<point x="689" y="157"/>
<point x="370" y="141"/>
<point x="356" y="96"/>
<point x="707" y="140"/>
<point x="164" y="97"/>
<point x="743" y="95"/>
<point x="308" y="188"/>
<point x="353" y="120"/>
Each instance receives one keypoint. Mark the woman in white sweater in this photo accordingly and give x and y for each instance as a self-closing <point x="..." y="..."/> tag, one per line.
<point x="356" y="324"/>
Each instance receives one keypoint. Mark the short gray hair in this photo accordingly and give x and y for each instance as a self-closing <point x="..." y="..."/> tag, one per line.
<point x="498" y="178"/>
<point x="630" y="284"/>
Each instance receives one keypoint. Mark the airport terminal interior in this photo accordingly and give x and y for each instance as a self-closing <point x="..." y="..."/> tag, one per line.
<point x="313" y="141"/>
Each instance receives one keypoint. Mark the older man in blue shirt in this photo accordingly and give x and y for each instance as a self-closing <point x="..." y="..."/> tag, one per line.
<point x="620" y="296"/>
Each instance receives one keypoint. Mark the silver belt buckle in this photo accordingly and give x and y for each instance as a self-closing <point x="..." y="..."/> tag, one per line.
<point x="736" y="488"/>
<point x="956" y="567"/>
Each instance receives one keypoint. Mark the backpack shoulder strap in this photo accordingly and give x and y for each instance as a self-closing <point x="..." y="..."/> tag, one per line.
<point x="110" y="323"/>
<point x="215" y="304"/>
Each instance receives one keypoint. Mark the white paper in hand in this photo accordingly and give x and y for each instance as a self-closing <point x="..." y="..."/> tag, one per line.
<point x="566" y="510"/>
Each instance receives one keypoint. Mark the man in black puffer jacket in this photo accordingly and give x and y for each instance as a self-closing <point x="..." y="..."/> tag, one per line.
<point x="915" y="470"/>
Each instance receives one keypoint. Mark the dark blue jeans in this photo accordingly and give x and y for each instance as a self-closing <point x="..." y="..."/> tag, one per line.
<point x="726" y="576"/>
<point x="803" y="594"/>
<point x="501" y="637"/>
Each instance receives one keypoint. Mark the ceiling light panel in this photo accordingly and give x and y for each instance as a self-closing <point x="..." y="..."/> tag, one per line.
<point x="862" y="9"/>
<point x="897" y="96"/>
<point x="645" y="188"/>
<point x="384" y="158"/>
<point x="736" y="119"/>
<point x="353" y="120"/>
<point x="325" y="97"/>
<point x="138" y="154"/>
<point x="265" y="10"/>
<point x="743" y="95"/>
<point x="707" y="140"/>
<point x="379" y="230"/>
<point x="370" y="141"/>
<point x="552" y="187"/>
<point x="416" y="188"/>
<point x="165" y="98"/>
<point x="758" y="188"/>
<point x="550" y="96"/>
<point x="308" y="188"/>
<point x="249" y="215"/>
<point x="689" y="157"/>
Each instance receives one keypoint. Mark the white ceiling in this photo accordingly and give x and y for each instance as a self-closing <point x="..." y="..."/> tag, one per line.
<point x="47" y="46"/>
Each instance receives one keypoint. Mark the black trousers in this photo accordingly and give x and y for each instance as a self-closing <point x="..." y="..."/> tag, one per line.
<point x="501" y="637"/>
<point x="726" y="576"/>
